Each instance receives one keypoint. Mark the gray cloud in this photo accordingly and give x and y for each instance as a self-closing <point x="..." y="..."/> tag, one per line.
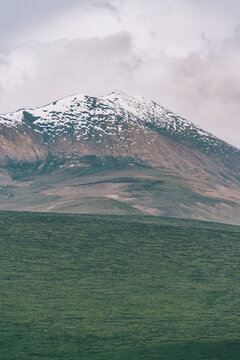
<point x="39" y="72"/>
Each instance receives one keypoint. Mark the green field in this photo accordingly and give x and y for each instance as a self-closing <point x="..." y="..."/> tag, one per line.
<point x="90" y="287"/>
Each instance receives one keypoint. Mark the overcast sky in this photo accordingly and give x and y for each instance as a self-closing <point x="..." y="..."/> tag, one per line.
<point x="183" y="54"/>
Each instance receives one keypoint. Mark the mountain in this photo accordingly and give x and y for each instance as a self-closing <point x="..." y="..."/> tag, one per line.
<point x="116" y="154"/>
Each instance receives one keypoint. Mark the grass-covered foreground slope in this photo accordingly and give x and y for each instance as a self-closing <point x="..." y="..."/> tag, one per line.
<point x="113" y="288"/>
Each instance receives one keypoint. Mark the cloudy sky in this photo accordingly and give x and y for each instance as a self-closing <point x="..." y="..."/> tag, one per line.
<point x="183" y="54"/>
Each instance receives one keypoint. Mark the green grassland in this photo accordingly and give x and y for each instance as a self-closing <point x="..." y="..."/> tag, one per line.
<point x="96" y="287"/>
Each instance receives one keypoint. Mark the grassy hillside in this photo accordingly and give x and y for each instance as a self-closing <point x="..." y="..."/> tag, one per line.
<point x="113" y="288"/>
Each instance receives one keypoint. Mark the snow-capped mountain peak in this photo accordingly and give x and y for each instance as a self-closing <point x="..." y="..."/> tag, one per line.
<point x="123" y="136"/>
<point x="113" y="115"/>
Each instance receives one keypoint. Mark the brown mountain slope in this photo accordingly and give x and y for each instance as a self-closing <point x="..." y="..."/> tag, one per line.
<point x="118" y="154"/>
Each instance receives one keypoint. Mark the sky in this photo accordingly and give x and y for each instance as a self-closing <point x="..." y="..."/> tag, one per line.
<point x="183" y="54"/>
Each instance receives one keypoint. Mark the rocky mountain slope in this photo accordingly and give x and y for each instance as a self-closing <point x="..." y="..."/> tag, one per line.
<point x="117" y="153"/>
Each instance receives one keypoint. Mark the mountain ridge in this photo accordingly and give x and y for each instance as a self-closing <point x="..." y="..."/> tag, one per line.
<point x="123" y="136"/>
<point x="115" y="97"/>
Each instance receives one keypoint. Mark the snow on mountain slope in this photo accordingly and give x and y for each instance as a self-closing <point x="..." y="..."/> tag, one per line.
<point x="117" y="119"/>
<point x="166" y="121"/>
<point x="83" y="113"/>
